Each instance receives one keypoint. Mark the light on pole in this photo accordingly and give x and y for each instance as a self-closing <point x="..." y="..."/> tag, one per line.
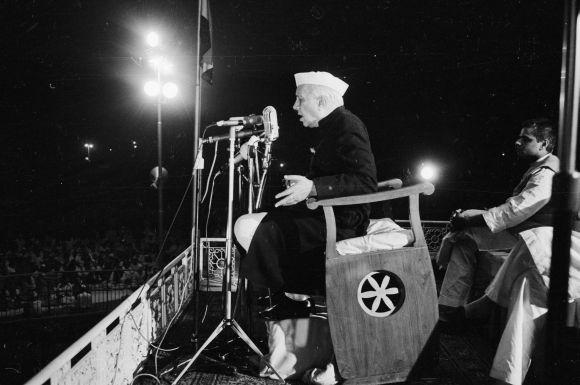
<point x="88" y="146"/>
<point x="162" y="92"/>
<point x="152" y="39"/>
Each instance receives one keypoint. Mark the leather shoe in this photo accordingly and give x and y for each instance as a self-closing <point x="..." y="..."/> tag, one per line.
<point x="288" y="308"/>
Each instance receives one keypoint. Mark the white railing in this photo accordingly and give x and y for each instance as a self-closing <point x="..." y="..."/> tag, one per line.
<point x="434" y="232"/>
<point x="112" y="351"/>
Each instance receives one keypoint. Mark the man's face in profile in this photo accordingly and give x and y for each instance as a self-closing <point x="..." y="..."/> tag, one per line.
<point x="307" y="107"/>
<point x="528" y="147"/>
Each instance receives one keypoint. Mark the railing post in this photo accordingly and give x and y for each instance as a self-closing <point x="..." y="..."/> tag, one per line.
<point x="163" y="299"/>
<point x="176" y="287"/>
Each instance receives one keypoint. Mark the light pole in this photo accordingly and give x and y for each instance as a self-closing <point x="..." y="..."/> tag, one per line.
<point x="159" y="163"/>
<point x="88" y="146"/>
<point x="162" y="91"/>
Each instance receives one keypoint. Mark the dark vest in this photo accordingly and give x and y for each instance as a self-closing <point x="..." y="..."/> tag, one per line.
<point x="544" y="216"/>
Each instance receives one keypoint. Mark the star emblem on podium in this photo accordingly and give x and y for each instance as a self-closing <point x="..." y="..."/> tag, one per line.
<point x="381" y="293"/>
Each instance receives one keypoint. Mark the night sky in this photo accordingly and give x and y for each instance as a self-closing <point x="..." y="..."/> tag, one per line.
<point x="440" y="80"/>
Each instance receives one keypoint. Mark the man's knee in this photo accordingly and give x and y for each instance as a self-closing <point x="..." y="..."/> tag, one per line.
<point x="245" y="227"/>
<point x="457" y="246"/>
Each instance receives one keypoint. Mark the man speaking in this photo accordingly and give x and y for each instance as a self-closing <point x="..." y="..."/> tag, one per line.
<point x="285" y="247"/>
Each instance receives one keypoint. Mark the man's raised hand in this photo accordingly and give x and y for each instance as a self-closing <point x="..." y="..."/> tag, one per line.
<point x="298" y="190"/>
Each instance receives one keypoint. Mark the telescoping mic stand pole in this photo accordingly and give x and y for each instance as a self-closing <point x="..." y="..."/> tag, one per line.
<point x="228" y="320"/>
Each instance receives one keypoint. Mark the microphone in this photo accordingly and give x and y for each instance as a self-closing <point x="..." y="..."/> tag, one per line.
<point x="239" y="135"/>
<point x="270" y="119"/>
<point x="251" y="120"/>
<point x="270" y="132"/>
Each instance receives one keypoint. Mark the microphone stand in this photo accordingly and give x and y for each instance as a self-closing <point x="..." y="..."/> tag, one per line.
<point x="228" y="320"/>
<point x="253" y="173"/>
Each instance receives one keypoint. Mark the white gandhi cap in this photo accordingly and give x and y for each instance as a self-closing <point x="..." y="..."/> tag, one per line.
<point x="322" y="79"/>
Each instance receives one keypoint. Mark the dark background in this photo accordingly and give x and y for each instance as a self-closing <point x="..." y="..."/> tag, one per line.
<point x="446" y="81"/>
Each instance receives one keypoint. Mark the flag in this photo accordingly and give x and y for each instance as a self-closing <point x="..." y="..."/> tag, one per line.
<point x="206" y="62"/>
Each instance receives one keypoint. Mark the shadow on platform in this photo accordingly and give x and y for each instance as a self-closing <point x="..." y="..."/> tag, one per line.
<point x="462" y="359"/>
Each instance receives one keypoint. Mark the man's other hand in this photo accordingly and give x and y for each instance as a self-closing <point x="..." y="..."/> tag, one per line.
<point x="298" y="190"/>
<point x="467" y="218"/>
<point x="244" y="150"/>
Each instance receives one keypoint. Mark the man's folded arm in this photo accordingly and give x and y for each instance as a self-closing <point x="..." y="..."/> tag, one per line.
<point x="521" y="207"/>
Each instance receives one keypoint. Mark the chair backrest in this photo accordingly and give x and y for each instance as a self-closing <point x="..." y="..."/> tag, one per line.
<point x="405" y="321"/>
<point x="412" y="192"/>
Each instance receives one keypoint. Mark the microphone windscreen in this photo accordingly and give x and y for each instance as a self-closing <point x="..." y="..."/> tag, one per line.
<point x="270" y="123"/>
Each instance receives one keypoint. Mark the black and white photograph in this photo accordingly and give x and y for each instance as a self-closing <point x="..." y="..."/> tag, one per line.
<point x="289" y="191"/>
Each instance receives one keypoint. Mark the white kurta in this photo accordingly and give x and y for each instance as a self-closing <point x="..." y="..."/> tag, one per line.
<point x="522" y="206"/>
<point x="458" y="251"/>
<point x="521" y="285"/>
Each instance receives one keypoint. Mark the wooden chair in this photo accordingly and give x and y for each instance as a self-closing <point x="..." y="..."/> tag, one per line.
<point x="382" y="305"/>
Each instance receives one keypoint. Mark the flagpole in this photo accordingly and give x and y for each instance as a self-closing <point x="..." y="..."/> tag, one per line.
<point x="565" y="196"/>
<point x="195" y="176"/>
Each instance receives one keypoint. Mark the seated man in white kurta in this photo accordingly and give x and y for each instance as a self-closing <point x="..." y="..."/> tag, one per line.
<point x="497" y="228"/>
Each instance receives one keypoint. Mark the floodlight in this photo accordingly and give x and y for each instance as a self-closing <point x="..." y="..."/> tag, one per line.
<point x="151" y="88"/>
<point x="170" y="90"/>
<point x="152" y="39"/>
<point x="428" y="171"/>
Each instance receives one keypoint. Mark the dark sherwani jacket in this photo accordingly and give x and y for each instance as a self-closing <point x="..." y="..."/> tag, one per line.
<point x="287" y="250"/>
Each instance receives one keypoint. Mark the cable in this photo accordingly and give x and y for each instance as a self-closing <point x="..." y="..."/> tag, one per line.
<point x="210" y="171"/>
<point x="148" y="375"/>
<point x="166" y="236"/>
<point x="147" y="339"/>
<point x="174" y="218"/>
<point x="206" y="307"/>
<point x="205" y="129"/>
<point x="210" y="203"/>
<point x="158" y="347"/>
<point x="205" y="311"/>
<point x="172" y="319"/>
<point x="238" y="296"/>
<point x="122" y="323"/>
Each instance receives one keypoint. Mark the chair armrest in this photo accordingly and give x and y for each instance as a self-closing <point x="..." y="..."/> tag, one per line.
<point x="412" y="192"/>
<point x="420" y="188"/>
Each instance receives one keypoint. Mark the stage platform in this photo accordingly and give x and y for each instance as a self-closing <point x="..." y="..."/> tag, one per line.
<point x="462" y="359"/>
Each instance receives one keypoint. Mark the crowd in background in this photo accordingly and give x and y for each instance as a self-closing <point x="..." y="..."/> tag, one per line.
<point x="43" y="270"/>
